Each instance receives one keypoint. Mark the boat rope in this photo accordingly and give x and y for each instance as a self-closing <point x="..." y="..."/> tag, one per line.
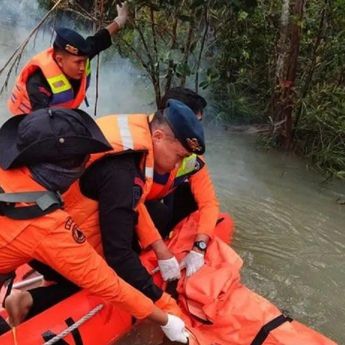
<point x="75" y="325"/>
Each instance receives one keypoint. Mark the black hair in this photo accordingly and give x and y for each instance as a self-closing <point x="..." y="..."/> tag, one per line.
<point x="159" y="119"/>
<point x="187" y="96"/>
<point x="59" y="50"/>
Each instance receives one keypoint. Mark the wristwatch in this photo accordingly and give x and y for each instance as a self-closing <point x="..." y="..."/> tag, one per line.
<point x="201" y="245"/>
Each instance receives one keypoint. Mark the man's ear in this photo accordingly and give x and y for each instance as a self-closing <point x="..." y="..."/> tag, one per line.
<point x="59" y="59"/>
<point x="157" y="135"/>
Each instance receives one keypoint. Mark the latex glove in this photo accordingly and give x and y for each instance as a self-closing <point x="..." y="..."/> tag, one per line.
<point x="193" y="262"/>
<point x="122" y="14"/>
<point x="170" y="269"/>
<point x="175" y="329"/>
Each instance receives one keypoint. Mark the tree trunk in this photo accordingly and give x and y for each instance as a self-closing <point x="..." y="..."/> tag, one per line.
<point x="202" y="46"/>
<point x="288" y="47"/>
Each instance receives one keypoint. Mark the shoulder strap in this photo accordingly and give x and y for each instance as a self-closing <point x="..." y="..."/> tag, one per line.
<point x="46" y="202"/>
<point x="268" y="327"/>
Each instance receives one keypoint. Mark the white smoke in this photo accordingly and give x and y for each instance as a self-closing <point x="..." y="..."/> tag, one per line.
<point x="122" y="87"/>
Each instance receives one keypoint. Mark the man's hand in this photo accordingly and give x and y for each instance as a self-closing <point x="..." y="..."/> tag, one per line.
<point x="193" y="262"/>
<point x="170" y="269"/>
<point x="195" y="258"/>
<point x="168" y="264"/>
<point x="122" y="14"/>
<point x="175" y="329"/>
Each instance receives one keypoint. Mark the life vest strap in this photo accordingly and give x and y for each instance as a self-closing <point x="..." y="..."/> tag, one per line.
<point x="75" y="333"/>
<point x="268" y="327"/>
<point x="46" y="202"/>
<point x="4" y="326"/>
<point x="9" y="277"/>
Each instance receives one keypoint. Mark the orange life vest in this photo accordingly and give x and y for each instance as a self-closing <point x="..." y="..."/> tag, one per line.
<point x="189" y="166"/>
<point x="56" y="240"/>
<point x="15" y="181"/>
<point x="124" y="133"/>
<point x="62" y="91"/>
<point x="129" y="132"/>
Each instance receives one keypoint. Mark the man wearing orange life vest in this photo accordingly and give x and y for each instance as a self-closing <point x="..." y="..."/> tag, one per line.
<point x="120" y="184"/>
<point x="59" y="76"/>
<point x="42" y="154"/>
<point x="184" y="190"/>
<point x="114" y="186"/>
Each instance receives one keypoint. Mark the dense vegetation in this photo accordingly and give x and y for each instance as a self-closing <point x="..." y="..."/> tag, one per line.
<point x="262" y="61"/>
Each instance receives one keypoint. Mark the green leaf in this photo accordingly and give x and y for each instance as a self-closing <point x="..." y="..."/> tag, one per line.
<point x="242" y="15"/>
<point x="185" y="18"/>
<point x="197" y="3"/>
<point x="204" y="84"/>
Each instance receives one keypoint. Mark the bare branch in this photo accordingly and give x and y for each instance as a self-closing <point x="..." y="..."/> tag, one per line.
<point x="15" y="57"/>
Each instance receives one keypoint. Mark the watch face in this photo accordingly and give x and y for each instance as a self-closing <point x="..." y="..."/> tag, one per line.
<point x="201" y="245"/>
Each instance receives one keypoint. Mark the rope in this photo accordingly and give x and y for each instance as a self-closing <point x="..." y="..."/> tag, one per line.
<point x="14" y="334"/>
<point x="78" y="323"/>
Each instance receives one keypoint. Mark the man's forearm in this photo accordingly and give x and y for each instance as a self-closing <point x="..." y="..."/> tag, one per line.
<point x="113" y="28"/>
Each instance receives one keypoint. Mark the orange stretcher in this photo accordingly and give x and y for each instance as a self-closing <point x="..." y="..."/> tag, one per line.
<point x="217" y="308"/>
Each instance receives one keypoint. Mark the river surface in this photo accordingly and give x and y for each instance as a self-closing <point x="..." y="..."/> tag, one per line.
<point x="290" y="222"/>
<point x="290" y="229"/>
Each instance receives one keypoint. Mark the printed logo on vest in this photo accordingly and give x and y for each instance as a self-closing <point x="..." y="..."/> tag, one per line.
<point x="77" y="234"/>
<point x="59" y="83"/>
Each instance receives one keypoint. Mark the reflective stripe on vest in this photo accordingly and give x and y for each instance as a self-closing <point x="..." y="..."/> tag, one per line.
<point x="187" y="166"/>
<point x="19" y="181"/>
<point x="129" y="132"/>
<point x="88" y="73"/>
<point x="61" y="87"/>
<point x="44" y="202"/>
<point x="125" y="133"/>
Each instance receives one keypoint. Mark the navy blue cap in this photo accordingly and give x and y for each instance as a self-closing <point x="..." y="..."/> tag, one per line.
<point x="186" y="127"/>
<point x="70" y="41"/>
<point x="49" y="135"/>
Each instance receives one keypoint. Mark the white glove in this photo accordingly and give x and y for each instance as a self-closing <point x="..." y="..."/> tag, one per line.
<point x="170" y="269"/>
<point x="175" y="329"/>
<point x="193" y="262"/>
<point x="122" y="14"/>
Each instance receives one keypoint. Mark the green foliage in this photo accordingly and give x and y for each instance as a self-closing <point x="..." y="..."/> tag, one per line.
<point x="245" y="50"/>
<point x="164" y="39"/>
<point x="231" y="48"/>
<point x="236" y="107"/>
<point x="321" y="133"/>
<point x="242" y="53"/>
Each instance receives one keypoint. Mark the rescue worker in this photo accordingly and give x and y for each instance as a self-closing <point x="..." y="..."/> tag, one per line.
<point x="109" y="205"/>
<point x="42" y="154"/>
<point x="187" y="96"/>
<point x="141" y="144"/>
<point x="184" y="190"/>
<point x="59" y="76"/>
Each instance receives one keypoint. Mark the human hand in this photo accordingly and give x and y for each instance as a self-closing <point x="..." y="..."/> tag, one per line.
<point x="175" y="329"/>
<point x="122" y="14"/>
<point x="170" y="269"/>
<point x="193" y="262"/>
